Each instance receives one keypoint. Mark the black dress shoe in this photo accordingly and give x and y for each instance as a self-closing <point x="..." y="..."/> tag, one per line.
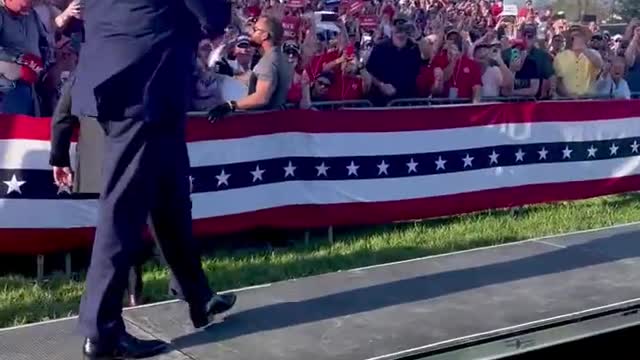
<point x="218" y="304"/>
<point x="124" y="347"/>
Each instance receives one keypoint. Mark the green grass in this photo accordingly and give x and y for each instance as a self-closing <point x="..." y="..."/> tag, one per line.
<point x="22" y="300"/>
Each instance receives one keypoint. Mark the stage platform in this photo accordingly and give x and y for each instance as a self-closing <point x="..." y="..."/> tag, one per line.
<point x="478" y="304"/>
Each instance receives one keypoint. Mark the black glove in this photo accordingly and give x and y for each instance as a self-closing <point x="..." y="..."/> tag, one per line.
<point x="222" y="67"/>
<point x="220" y="111"/>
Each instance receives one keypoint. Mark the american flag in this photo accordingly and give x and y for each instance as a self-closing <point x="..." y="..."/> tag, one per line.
<point x="306" y="169"/>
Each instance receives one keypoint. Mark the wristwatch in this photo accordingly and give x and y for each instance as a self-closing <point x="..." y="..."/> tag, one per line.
<point x="233" y="105"/>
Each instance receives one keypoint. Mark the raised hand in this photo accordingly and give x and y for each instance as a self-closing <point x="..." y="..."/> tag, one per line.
<point x="74" y="9"/>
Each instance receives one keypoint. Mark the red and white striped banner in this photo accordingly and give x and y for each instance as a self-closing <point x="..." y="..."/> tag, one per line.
<point x="304" y="169"/>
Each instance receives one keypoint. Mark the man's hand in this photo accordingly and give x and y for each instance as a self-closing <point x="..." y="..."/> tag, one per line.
<point x="220" y="111"/>
<point x="74" y="10"/>
<point x="63" y="176"/>
<point x="305" y="80"/>
<point x="388" y="89"/>
<point x="213" y="15"/>
<point x="516" y="65"/>
<point x="489" y="36"/>
<point x="453" y="54"/>
<point x="222" y="67"/>
<point x="438" y="74"/>
<point x="31" y="67"/>
<point x="438" y="78"/>
<point x="606" y="68"/>
<point x="497" y="57"/>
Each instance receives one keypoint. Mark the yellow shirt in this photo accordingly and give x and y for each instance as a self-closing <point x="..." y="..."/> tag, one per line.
<point x="577" y="72"/>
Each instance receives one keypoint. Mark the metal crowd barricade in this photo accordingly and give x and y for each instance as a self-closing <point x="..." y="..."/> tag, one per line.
<point x="423" y="102"/>
<point x="449" y="102"/>
<point x="584" y="97"/>
<point x="321" y="105"/>
<point x="509" y="99"/>
<point x="597" y="97"/>
<point x="336" y="105"/>
<point x="205" y="113"/>
<point x="410" y="102"/>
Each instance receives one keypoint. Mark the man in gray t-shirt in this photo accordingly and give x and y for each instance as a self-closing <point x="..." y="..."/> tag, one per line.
<point x="275" y="71"/>
<point x="271" y="77"/>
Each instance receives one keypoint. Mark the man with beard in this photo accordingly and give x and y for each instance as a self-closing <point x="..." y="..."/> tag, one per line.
<point x="271" y="77"/>
<point x="132" y="71"/>
<point x="532" y="66"/>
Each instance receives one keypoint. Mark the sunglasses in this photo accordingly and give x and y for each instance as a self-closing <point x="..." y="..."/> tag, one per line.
<point x="323" y="84"/>
<point x="243" y="45"/>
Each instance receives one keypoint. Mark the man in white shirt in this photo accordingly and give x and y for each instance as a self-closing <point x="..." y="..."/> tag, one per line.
<point x="613" y="83"/>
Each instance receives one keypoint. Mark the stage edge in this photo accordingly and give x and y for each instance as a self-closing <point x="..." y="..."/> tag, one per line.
<point x="525" y="338"/>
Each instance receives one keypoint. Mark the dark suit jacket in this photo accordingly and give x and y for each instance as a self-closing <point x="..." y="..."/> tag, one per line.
<point x="62" y="125"/>
<point x="133" y="46"/>
<point x="90" y="145"/>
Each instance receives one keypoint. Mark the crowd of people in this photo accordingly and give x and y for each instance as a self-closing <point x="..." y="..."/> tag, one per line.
<point x="378" y="50"/>
<point x="273" y="53"/>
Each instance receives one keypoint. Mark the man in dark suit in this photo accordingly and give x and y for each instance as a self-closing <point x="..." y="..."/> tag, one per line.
<point x="86" y="176"/>
<point x="134" y="75"/>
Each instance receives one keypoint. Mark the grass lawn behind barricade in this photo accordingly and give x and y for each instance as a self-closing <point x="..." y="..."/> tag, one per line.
<point x="24" y="301"/>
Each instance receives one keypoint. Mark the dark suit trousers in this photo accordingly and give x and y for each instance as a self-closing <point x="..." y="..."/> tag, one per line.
<point x="146" y="169"/>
